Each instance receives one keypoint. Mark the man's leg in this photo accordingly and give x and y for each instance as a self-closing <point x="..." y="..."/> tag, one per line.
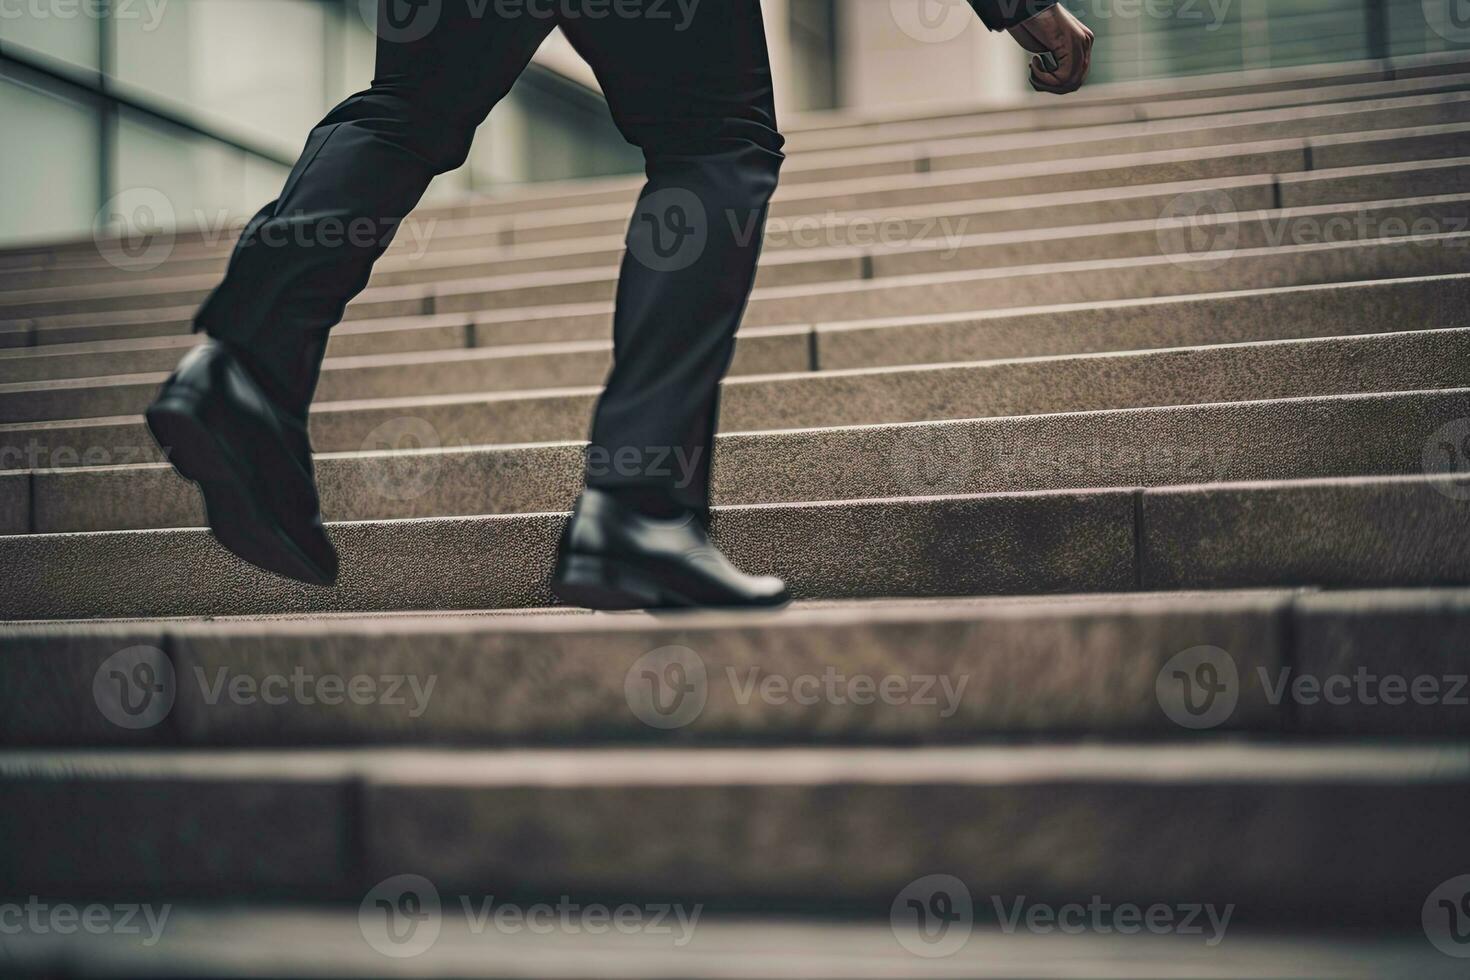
<point x="691" y="86"/>
<point x="440" y="70"/>
<point x="233" y="415"/>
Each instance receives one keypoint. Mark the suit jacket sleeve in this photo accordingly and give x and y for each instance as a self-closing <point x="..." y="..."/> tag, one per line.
<point x="1001" y="14"/>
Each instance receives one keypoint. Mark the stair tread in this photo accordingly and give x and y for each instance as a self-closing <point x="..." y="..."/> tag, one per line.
<point x="315" y="941"/>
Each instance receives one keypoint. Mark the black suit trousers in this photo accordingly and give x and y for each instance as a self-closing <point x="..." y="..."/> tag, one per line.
<point x="687" y="82"/>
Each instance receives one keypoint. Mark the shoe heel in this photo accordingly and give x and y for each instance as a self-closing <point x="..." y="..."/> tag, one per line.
<point x="599" y="583"/>
<point x="176" y="420"/>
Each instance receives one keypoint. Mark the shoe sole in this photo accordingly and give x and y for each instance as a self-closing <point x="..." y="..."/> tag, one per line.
<point x="611" y="586"/>
<point x="238" y="519"/>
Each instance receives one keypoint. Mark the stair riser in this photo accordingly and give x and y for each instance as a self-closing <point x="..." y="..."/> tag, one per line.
<point x="1073" y="668"/>
<point x="462" y="235"/>
<point x="1376" y="435"/>
<point x="1122" y="171"/>
<point x="1317" y="311"/>
<point x="1070" y="669"/>
<point x="1249" y="194"/>
<point x="1128" y="279"/>
<point x="222" y="837"/>
<point x="1075" y="541"/>
<point x="1228" y="318"/>
<point x="162" y="353"/>
<point x="949" y="244"/>
<point x="755" y="354"/>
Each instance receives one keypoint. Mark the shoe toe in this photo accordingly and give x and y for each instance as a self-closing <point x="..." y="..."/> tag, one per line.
<point x="770" y="590"/>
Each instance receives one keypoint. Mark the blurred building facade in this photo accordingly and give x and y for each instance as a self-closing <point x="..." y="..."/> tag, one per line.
<point x="182" y="112"/>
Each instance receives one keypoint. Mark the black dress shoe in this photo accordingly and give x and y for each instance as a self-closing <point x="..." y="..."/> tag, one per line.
<point x="252" y="463"/>
<point x="614" y="557"/>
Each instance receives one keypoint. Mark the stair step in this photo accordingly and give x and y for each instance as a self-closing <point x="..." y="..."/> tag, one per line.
<point x="485" y="241"/>
<point x="876" y="395"/>
<point x="947" y="246"/>
<point x="1344" y="435"/>
<point x="1277" y="533"/>
<point x="1267" y="157"/>
<point x="1346" y="663"/>
<point x="1330" y="310"/>
<point x="759" y="350"/>
<point x="999" y="215"/>
<point x="309" y="941"/>
<point x="1305" y="823"/>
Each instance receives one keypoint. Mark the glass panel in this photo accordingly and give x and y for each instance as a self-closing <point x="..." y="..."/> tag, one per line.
<point x="185" y="181"/>
<point x="257" y="65"/>
<point x="50" y="188"/>
<point x="67" y="31"/>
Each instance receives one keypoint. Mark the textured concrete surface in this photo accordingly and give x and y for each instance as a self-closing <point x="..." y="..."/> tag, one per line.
<point x="52" y="681"/>
<point x="543" y="823"/>
<point x="966" y="291"/>
<point x="1388" y="531"/>
<point x="1074" y="666"/>
<point x="1396" y="664"/>
<point x="1058" y="541"/>
<point x="1042" y="542"/>
<point x="15" y="502"/>
<point x="1115" y="204"/>
<point x="1331" y="310"/>
<point x="1292" y="439"/>
<point x="313" y="941"/>
<point x="519" y="367"/>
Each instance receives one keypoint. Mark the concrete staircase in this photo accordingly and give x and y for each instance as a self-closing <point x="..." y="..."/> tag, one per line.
<point x="1118" y="449"/>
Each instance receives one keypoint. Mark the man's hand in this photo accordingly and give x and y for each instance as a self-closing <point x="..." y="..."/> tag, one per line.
<point x="1056" y="33"/>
